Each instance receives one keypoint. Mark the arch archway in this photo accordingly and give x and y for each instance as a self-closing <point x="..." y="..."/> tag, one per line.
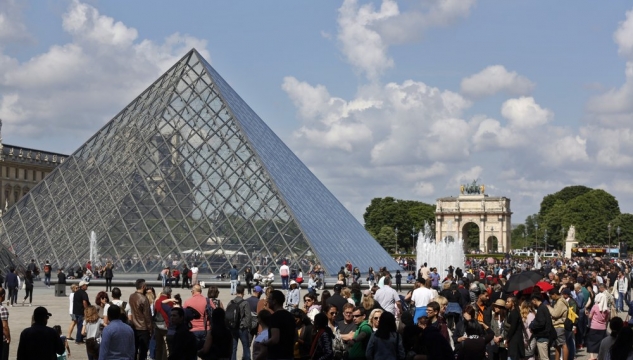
<point x="470" y="234"/>
<point x="492" y="244"/>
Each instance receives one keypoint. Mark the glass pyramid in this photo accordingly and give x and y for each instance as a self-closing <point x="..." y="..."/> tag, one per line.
<point x="187" y="172"/>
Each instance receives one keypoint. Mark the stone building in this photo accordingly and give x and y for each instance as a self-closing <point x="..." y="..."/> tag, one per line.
<point x="491" y="214"/>
<point x="21" y="169"/>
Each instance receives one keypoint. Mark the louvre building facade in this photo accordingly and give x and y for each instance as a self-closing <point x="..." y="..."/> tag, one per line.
<point x="187" y="172"/>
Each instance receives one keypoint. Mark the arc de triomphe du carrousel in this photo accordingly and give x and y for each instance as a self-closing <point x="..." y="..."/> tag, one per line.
<point x="473" y="207"/>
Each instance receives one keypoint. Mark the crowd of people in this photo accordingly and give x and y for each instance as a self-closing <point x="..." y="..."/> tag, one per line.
<point x="484" y="311"/>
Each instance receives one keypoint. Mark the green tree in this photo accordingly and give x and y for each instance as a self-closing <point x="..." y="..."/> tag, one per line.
<point x="387" y="238"/>
<point x="401" y="214"/>
<point x="590" y="213"/>
<point x="625" y="223"/>
<point x="564" y="195"/>
<point x="519" y="239"/>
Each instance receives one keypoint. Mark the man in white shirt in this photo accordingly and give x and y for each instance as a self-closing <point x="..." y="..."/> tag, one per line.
<point x="388" y="298"/>
<point x="284" y="272"/>
<point x="194" y="275"/>
<point x="421" y="297"/>
<point x="116" y="300"/>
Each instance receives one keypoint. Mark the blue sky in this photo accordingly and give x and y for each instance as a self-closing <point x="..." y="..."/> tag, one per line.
<point x="378" y="98"/>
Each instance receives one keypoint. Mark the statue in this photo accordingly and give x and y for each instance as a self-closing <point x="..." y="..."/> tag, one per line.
<point x="482" y="188"/>
<point x="471" y="189"/>
<point x="571" y="234"/>
<point x="461" y="189"/>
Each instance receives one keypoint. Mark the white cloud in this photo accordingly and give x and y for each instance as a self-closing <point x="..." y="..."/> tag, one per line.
<point x="54" y="93"/>
<point x="494" y="79"/>
<point x="423" y="189"/>
<point x="569" y="148"/>
<point x="463" y="177"/>
<point x="12" y="29"/>
<point x="615" y="101"/>
<point x="623" y="36"/>
<point x="524" y="112"/>
<point x="365" y="33"/>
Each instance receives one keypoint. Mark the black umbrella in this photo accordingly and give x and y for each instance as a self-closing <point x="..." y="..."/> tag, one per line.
<point x="523" y="280"/>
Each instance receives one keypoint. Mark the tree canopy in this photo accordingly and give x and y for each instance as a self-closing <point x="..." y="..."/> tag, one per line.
<point x="391" y="213"/>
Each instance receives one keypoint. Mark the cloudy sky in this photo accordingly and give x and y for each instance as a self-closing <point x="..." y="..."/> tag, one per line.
<point x="379" y="98"/>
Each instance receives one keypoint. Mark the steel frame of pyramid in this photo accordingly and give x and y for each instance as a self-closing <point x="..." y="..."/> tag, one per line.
<point x="187" y="171"/>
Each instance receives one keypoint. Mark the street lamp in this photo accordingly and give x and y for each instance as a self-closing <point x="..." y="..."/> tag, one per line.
<point x="545" y="240"/>
<point x="617" y="230"/>
<point x="609" y="248"/>
<point x="536" y="237"/>
<point x="396" y="240"/>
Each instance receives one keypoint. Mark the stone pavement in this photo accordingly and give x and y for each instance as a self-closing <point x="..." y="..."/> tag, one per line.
<point x="20" y="316"/>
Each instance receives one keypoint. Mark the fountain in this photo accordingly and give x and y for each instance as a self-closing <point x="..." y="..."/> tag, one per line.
<point x="93" y="248"/>
<point x="439" y="254"/>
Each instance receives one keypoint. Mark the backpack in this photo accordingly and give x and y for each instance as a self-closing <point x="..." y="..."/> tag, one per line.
<point x="339" y="347"/>
<point x="572" y="318"/>
<point x="233" y="315"/>
<point x="159" y="320"/>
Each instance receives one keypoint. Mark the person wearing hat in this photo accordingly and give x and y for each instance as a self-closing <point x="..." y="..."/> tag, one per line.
<point x="80" y="302"/>
<point x="499" y="347"/>
<point x="40" y="341"/>
<point x="293" y="297"/>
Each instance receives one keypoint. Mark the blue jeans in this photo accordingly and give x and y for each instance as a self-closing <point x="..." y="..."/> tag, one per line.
<point x="244" y="336"/>
<point x="284" y="282"/>
<point x="233" y="287"/>
<point x="571" y="344"/>
<point x="164" y="279"/>
<point x="47" y="279"/>
<point x="620" y="302"/>
<point x="200" y="337"/>
<point x="80" y="325"/>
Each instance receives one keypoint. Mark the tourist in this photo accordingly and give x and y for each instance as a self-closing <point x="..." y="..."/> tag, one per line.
<point x="330" y="312"/>
<point x="162" y="312"/>
<point x="61" y="277"/>
<point x="233" y="276"/>
<point x="91" y="331"/>
<point x="304" y="335"/>
<point x="218" y="341"/>
<point x="527" y="316"/>
<point x="514" y="333"/>
<point x="39" y="341"/>
<point x="311" y="306"/>
<point x="141" y="321"/>
<point x="6" y="331"/>
<point x="459" y="335"/>
<point x="374" y="318"/>
<point x="455" y="304"/>
<point x="186" y="276"/>
<point x="213" y="292"/>
<point x="371" y="277"/>
<point x="421" y="297"/>
<point x="388" y="298"/>
<point x="346" y="293"/>
<point x="194" y="275"/>
<point x="66" y="354"/>
<point x="108" y="275"/>
<point x="47" y="274"/>
<point x="385" y="343"/>
<point x="248" y="277"/>
<point x="616" y="324"/>
<point x="28" y="287"/>
<point x="434" y="315"/>
<point x="183" y="343"/>
<point x="541" y="326"/>
<point x="347" y="325"/>
<point x="241" y="331"/>
<point x="322" y="343"/>
<point x="260" y="351"/>
<point x="12" y="283"/>
<point x="474" y="342"/>
<point x="80" y="303"/>
<point x="559" y="313"/>
<point x="117" y="339"/>
<point x="598" y="317"/>
<point x="253" y="302"/>
<point x="101" y="300"/>
<point x="280" y="342"/>
<point x="312" y="283"/>
<point x="73" y="319"/>
<point x="337" y="300"/>
<point x="360" y="339"/>
<point x="284" y="272"/>
<point x="293" y="296"/>
<point x="126" y="311"/>
<point x="623" y="346"/>
<point x="198" y="303"/>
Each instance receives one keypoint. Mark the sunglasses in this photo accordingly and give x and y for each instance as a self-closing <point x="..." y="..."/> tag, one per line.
<point x="333" y="313"/>
<point x="377" y="318"/>
<point x="357" y="316"/>
<point x="307" y="300"/>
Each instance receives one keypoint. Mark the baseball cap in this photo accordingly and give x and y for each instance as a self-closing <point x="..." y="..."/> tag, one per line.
<point x="292" y="282"/>
<point x="566" y="291"/>
<point x="258" y="288"/>
<point x="82" y="283"/>
<point x="40" y="313"/>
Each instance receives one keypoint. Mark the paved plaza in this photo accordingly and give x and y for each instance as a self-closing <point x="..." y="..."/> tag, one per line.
<point x="20" y="316"/>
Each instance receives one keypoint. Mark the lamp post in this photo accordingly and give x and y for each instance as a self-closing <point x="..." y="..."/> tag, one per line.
<point x="545" y="240"/>
<point x="562" y="236"/>
<point x="609" y="248"/>
<point x="396" y="240"/>
<point x="617" y="231"/>
<point x="536" y="237"/>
